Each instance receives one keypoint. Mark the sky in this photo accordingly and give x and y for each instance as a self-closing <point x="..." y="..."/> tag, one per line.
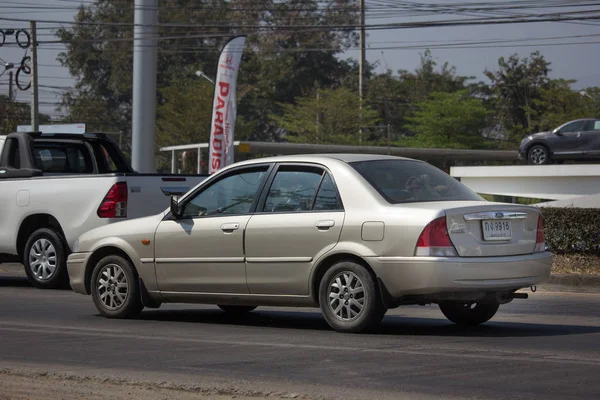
<point x="572" y="61"/>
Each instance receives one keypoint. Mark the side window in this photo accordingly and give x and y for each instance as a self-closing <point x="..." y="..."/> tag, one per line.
<point x="59" y="158"/>
<point x="576" y="126"/>
<point x="232" y="195"/>
<point x="596" y="125"/>
<point x="327" y="197"/>
<point x="297" y="189"/>
<point x="293" y="190"/>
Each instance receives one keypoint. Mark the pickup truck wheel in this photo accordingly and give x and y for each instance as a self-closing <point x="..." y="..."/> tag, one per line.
<point x="469" y="314"/>
<point x="45" y="259"/>
<point x="115" y="288"/>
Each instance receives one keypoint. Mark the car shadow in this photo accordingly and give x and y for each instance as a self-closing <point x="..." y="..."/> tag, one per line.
<point x="14" y="281"/>
<point x="391" y="325"/>
<point x="23" y="282"/>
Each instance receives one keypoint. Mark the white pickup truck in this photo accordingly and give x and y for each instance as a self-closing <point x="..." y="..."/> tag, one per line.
<point x="55" y="187"/>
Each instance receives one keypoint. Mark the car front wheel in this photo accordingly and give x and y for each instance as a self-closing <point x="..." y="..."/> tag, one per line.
<point x="115" y="288"/>
<point x="469" y="314"/>
<point x="349" y="298"/>
<point x="538" y="155"/>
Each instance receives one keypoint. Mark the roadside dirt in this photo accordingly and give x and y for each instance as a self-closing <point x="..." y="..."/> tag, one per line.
<point x="576" y="264"/>
<point x="20" y="386"/>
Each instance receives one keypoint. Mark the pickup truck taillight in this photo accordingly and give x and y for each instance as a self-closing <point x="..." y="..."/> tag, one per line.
<point x="114" y="204"/>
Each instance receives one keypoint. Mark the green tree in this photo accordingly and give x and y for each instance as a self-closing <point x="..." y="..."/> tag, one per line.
<point x="184" y="114"/>
<point x="13" y="113"/>
<point x="517" y="84"/>
<point x="329" y="117"/>
<point x="280" y="63"/>
<point x="449" y="120"/>
<point x="558" y="103"/>
<point x="395" y="96"/>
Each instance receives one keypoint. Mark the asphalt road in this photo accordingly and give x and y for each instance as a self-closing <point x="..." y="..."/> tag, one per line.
<point x="546" y="347"/>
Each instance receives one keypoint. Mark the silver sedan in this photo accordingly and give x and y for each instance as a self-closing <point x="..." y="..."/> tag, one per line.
<point x="352" y="234"/>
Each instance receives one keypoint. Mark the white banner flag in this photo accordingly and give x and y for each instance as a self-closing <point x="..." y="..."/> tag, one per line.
<point x="222" y="125"/>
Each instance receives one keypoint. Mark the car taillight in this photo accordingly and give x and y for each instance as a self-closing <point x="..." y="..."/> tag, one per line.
<point x="540" y="241"/>
<point x="114" y="204"/>
<point x="435" y="241"/>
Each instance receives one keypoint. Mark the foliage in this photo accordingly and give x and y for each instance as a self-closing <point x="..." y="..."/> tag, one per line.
<point x="558" y="104"/>
<point x="281" y="71"/>
<point x="395" y="96"/>
<point x="13" y="113"/>
<point x="328" y="116"/>
<point x="184" y="114"/>
<point x="572" y="230"/>
<point x="277" y="66"/>
<point x="452" y="120"/>
<point x="516" y="85"/>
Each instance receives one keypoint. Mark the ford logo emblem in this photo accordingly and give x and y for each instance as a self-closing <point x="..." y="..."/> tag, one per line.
<point x="499" y="215"/>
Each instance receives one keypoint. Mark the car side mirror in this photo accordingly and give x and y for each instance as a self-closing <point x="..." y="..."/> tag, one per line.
<point x="557" y="132"/>
<point x="175" y="207"/>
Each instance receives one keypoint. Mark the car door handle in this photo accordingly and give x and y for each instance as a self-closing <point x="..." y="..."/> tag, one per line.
<point x="324" y="225"/>
<point x="230" y="227"/>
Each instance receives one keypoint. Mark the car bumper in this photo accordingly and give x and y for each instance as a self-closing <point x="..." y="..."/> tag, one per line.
<point x="76" y="263"/>
<point x="430" y="275"/>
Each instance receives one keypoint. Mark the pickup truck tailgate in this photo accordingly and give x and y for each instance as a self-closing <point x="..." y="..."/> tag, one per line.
<point x="150" y="194"/>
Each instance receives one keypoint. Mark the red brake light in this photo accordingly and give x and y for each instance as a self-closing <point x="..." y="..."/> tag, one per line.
<point x="114" y="204"/>
<point x="435" y="241"/>
<point x="540" y="241"/>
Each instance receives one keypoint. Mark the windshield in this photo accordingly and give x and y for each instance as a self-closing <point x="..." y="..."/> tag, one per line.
<point x="406" y="181"/>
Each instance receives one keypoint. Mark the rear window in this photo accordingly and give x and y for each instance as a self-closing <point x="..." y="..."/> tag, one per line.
<point x="405" y="181"/>
<point x="66" y="158"/>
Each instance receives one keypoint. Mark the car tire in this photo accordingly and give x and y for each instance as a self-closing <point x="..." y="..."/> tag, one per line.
<point x="236" y="310"/>
<point x="349" y="298"/>
<point x="467" y="314"/>
<point x="45" y="259"/>
<point x="538" y="155"/>
<point x="115" y="288"/>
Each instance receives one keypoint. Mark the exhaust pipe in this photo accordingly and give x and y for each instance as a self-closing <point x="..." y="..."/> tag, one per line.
<point x="504" y="298"/>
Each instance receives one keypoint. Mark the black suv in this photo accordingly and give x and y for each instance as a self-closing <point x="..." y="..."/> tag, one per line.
<point x="575" y="140"/>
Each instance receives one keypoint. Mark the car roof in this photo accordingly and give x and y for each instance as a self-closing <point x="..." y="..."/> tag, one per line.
<point x="344" y="157"/>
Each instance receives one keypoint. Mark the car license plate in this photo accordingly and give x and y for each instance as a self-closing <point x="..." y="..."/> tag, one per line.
<point x="496" y="230"/>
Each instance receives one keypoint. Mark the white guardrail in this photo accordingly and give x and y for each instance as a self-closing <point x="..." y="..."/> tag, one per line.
<point x="552" y="182"/>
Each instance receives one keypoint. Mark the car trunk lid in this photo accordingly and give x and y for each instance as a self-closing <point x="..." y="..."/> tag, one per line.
<point x="483" y="229"/>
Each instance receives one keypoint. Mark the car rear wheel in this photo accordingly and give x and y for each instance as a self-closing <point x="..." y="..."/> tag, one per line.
<point x="115" y="288"/>
<point x="236" y="310"/>
<point x="349" y="298"/>
<point x="45" y="259"/>
<point x="469" y="314"/>
<point x="538" y="155"/>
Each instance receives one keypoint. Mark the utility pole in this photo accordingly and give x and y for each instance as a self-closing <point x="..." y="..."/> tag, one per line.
<point x="35" y="123"/>
<point x="143" y="118"/>
<point x="362" y="67"/>
<point x="10" y="87"/>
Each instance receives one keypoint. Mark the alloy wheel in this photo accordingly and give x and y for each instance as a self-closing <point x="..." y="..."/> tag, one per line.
<point x="538" y="155"/>
<point x="346" y="296"/>
<point x="112" y="287"/>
